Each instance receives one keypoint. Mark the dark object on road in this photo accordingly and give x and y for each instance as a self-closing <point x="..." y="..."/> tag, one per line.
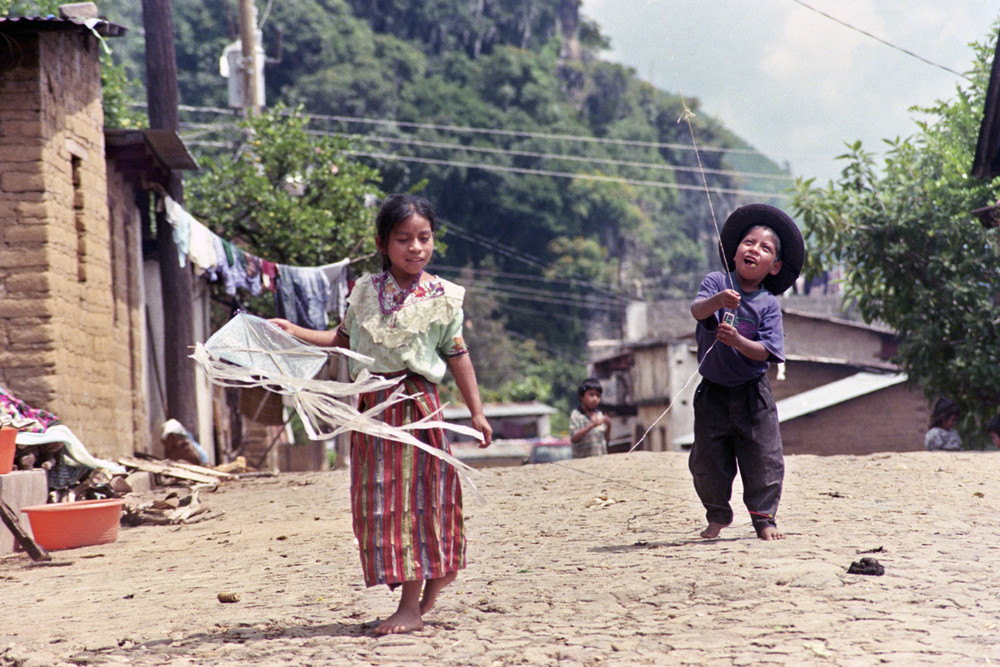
<point x="866" y="566"/>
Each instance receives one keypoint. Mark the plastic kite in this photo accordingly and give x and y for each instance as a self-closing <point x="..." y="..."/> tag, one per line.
<point x="249" y="352"/>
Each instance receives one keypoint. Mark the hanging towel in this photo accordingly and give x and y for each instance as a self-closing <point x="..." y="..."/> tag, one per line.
<point x="180" y="220"/>
<point x="336" y="276"/>
<point x="302" y="296"/>
<point x="202" y="250"/>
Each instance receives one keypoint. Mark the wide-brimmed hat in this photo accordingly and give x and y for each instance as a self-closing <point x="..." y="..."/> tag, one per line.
<point x="793" y="250"/>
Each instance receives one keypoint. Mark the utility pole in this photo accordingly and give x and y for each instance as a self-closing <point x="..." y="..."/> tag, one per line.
<point x="175" y="281"/>
<point x="248" y="42"/>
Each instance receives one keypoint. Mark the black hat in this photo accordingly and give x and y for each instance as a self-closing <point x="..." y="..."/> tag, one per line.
<point x="793" y="250"/>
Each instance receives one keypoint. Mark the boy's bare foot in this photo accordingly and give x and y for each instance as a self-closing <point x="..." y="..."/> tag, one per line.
<point x="431" y="590"/>
<point x="713" y="530"/>
<point x="771" y="533"/>
<point x="404" y="620"/>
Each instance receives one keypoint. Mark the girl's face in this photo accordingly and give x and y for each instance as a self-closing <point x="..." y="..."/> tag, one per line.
<point x="409" y="248"/>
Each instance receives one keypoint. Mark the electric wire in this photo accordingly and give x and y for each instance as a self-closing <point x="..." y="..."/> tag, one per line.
<point x="569" y="175"/>
<point x="568" y="158"/>
<point x="880" y="40"/>
<point x="492" y="150"/>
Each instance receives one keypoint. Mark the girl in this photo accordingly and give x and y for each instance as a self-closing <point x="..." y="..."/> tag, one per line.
<point x="942" y="436"/>
<point x="406" y="504"/>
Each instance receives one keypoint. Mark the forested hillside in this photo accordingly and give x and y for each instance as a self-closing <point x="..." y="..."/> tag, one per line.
<point x="566" y="184"/>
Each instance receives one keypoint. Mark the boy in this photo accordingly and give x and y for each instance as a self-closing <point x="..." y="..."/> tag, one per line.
<point x="739" y="333"/>
<point x="589" y="428"/>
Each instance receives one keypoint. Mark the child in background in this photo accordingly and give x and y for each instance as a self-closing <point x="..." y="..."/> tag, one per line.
<point x="941" y="435"/>
<point x="993" y="428"/>
<point x="589" y="428"/>
<point x="406" y="504"/>
<point x="739" y="332"/>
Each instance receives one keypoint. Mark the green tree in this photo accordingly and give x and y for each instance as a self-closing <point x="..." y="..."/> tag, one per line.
<point x="914" y="256"/>
<point x="286" y="195"/>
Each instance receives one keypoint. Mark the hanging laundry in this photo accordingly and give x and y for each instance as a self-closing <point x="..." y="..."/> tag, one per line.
<point x="269" y="275"/>
<point x="180" y="220"/>
<point x="302" y="296"/>
<point x="239" y="269"/>
<point x="202" y="251"/>
<point x="336" y="276"/>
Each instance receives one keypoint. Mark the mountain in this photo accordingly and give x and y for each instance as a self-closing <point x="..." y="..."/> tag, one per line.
<point x="565" y="182"/>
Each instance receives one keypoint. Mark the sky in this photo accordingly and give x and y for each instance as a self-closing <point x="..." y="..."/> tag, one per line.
<point x="793" y="83"/>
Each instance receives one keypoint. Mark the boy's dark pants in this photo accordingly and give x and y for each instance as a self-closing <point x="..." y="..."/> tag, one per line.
<point x="737" y="426"/>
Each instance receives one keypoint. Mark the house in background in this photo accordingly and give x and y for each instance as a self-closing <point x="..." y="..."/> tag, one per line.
<point x="517" y="420"/>
<point x="78" y="313"/>
<point x="837" y="392"/>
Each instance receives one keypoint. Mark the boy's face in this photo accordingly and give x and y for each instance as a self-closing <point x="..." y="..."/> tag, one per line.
<point x="757" y="255"/>
<point x="590" y="400"/>
<point x="995" y="437"/>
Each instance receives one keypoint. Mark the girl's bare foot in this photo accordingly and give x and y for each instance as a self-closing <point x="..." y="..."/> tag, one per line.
<point x="770" y="533"/>
<point x="713" y="530"/>
<point x="407" y="616"/>
<point x="403" y="620"/>
<point x="431" y="590"/>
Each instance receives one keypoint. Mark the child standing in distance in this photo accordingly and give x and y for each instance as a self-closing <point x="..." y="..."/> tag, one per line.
<point x="941" y="435"/>
<point x="993" y="428"/>
<point x="406" y="505"/>
<point x="739" y="333"/>
<point x="589" y="428"/>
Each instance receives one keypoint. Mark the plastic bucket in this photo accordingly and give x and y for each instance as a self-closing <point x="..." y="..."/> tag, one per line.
<point x="78" y="524"/>
<point x="8" y="445"/>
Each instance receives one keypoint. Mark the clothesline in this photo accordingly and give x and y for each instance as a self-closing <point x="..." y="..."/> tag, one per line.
<point x="305" y="295"/>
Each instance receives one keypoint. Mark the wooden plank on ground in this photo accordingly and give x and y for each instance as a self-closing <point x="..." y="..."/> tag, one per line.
<point x="168" y="468"/>
<point x="202" y="469"/>
<point x="33" y="549"/>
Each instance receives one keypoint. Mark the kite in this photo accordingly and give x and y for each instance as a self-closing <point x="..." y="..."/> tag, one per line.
<point x="249" y="352"/>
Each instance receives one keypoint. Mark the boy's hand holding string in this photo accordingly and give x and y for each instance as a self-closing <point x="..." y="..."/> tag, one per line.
<point x="726" y="333"/>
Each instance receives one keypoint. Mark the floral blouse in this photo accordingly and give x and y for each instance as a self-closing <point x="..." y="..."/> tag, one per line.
<point x="414" y="330"/>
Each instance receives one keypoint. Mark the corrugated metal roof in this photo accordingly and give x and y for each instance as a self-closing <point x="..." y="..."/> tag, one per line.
<point x="165" y="145"/>
<point x="859" y="384"/>
<point x="39" y="23"/>
<point x="497" y="410"/>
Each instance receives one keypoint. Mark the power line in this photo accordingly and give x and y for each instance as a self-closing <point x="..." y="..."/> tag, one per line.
<point x="575" y="282"/>
<point x="575" y="158"/>
<point x="570" y="175"/>
<point x="501" y="249"/>
<point x="494" y="131"/>
<point x="539" y="299"/>
<point x="521" y="153"/>
<point x="880" y="40"/>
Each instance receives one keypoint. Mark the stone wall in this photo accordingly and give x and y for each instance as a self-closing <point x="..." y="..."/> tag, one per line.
<point x="67" y="314"/>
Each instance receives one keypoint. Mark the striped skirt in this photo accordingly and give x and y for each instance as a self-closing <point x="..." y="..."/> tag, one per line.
<point x="406" y="504"/>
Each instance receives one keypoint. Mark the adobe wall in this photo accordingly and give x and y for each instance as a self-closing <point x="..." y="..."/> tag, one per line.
<point x="64" y="334"/>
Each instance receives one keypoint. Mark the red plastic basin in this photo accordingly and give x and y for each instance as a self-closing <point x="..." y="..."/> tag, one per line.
<point x="77" y="524"/>
<point x="8" y="446"/>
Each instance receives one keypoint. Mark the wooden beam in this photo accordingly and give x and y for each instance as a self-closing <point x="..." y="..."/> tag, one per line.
<point x="33" y="549"/>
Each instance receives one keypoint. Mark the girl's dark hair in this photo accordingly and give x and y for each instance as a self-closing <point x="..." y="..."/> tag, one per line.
<point x="993" y="425"/>
<point x="395" y="209"/>
<point x="943" y="409"/>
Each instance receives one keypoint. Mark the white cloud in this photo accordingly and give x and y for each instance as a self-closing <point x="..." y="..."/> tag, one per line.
<point x="792" y="82"/>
